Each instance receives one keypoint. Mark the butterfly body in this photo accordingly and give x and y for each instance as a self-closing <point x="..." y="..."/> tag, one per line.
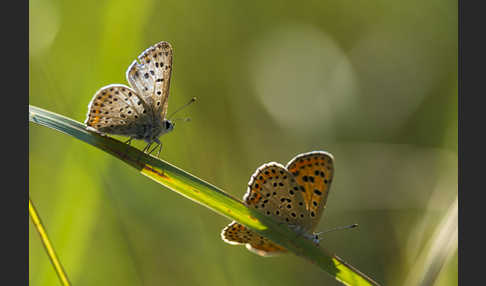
<point x="295" y="195"/>
<point x="152" y="131"/>
<point x="138" y="111"/>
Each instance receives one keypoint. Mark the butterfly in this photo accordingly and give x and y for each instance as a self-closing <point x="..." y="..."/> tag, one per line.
<point x="138" y="111"/>
<point x="295" y="194"/>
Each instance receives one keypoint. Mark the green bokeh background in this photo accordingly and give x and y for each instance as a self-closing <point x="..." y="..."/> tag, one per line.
<point x="372" y="82"/>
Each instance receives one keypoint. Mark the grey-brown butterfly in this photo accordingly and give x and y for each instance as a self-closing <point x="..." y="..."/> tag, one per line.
<point x="138" y="111"/>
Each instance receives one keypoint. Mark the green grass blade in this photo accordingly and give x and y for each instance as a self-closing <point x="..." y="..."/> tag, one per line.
<point x="51" y="253"/>
<point x="205" y="194"/>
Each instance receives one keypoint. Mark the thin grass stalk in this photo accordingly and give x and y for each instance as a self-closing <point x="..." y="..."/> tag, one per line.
<point x="51" y="253"/>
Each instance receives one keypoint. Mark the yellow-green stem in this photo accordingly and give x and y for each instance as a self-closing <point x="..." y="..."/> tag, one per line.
<point x="207" y="195"/>
<point x="51" y="253"/>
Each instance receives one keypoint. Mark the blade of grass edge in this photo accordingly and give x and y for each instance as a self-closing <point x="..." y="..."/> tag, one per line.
<point x="51" y="253"/>
<point x="205" y="194"/>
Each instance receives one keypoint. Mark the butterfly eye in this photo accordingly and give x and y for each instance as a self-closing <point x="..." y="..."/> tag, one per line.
<point x="168" y="125"/>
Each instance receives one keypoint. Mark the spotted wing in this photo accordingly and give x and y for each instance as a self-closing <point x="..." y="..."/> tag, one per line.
<point x="117" y="109"/>
<point x="151" y="76"/>
<point x="274" y="191"/>
<point x="236" y="233"/>
<point x="314" y="171"/>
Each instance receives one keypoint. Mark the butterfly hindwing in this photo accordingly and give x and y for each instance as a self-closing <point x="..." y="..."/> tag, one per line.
<point x="236" y="233"/>
<point x="117" y="109"/>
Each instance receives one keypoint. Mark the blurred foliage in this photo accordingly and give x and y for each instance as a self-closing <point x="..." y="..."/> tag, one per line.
<point x="374" y="83"/>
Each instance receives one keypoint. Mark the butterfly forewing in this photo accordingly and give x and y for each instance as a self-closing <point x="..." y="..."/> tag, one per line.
<point x="151" y="77"/>
<point x="314" y="171"/>
<point x="273" y="191"/>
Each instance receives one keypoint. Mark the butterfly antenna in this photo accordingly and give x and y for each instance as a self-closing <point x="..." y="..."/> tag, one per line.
<point x="180" y="108"/>
<point x="187" y="119"/>
<point x="336" y="228"/>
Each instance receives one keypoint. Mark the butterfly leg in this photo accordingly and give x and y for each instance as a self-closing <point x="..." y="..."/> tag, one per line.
<point x="128" y="141"/>
<point x="299" y="231"/>
<point x="160" y="149"/>
<point x="314" y="237"/>
<point x="297" y="228"/>
<point x="159" y="145"/>
<point x="155" y="147"/>
<point x="147" y="147"/>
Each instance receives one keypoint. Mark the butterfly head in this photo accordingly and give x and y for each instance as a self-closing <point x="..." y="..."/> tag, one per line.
<point x="167" y="125"/>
